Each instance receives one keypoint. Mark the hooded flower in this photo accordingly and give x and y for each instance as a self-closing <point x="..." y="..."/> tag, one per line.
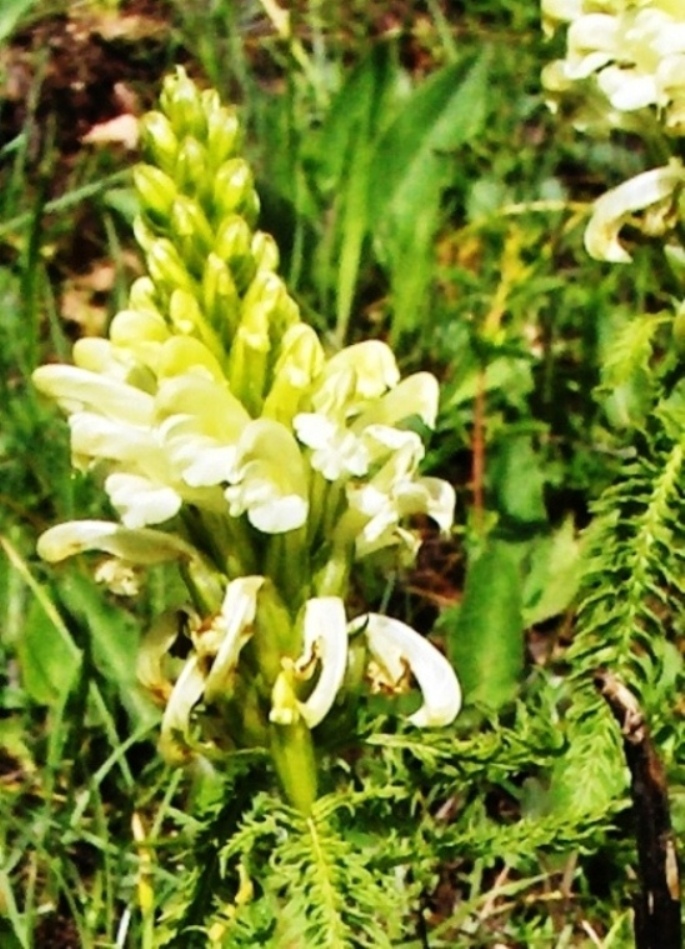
<point x="268" y="478"/>
<point x="378" y="508"/>
<point x="633" y="51"/>
<point x="397" y="656"/>
<point x="213" y="411"/>
<point x="654" y="192"/>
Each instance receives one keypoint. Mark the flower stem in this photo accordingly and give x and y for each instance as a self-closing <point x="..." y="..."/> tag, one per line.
<point x="292" y="752"/>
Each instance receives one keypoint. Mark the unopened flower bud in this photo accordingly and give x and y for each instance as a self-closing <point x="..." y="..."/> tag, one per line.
<point x="192" y="232"/>
<point x="251" y="207"/>
<point x="265" y="251"/>
<point x="192" y="172"/>
<point x="182" y="103"/>
<point x="159" y="141"/>
<point x="300" y="361"/>
<point x="232" y="245"/>
<point x="232" y="186"/>
<point x="144" y="232"/>
<point x="223" y="136"/>
<point x="219" y="296"/>
<point x="155" y="189"/>
<point x="249" y="357"/>
<point x="143" y="296"/>
<point x="187" y="317"/>
<point x="211" y="102"/>
<point x="284" y="705"/>
<point x="166" y="267"/>
<point x="268" y="293"/>
<point x="184" y="312"/>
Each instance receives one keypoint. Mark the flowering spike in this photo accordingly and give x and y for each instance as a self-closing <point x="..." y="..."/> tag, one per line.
<point x="271" y="467"/>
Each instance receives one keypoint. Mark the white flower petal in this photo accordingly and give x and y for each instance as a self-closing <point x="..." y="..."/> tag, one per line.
<point x="93" y="436"/>
<point x="269" y="480"/>
<point x="231" y="629"/>
<point x="140" y="501"/>
<point x="627" y="89"/>
<point x="337" y="452"/>
<point x="613" y="208"/>
<point x="325" y="641"/>
<point x="395" y="645"/>
<point x="154" y="646"/>
<point x="374" y="366"/>
<point x="431" y="496"/>
<point x="417" y="395"/>
<point x="175" y="730"/>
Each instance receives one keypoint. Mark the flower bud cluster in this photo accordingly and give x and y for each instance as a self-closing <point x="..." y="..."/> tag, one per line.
<point x="229" y="441"/>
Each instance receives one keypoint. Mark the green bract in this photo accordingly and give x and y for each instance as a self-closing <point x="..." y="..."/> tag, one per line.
<point x="229" y="441"/>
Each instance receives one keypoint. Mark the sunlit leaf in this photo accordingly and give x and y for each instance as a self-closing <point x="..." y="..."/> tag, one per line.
<point x="11" y="13"/>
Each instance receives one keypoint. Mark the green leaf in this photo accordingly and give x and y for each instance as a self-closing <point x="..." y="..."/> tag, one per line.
<point x="554" y="575"/>
<point x="11" y="13"/>
<point x="358" y="114"/>
<point x="592" y="776"/>
<point x="518" y="481"/>
<point x="49" y="661"/>
<point x="114" y="639"/>
<point x="485" y="639"/>
<point x="411" y="168"/>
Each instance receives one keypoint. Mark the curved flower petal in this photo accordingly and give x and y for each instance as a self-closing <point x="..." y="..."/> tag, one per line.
<point x="227" y="634"/>
<point x="628" y="89"/>
<point x="77" y="389"/>
<point x="431" y="496"/>
<point x="325" y="646"/>
<point x="336" y="451"/>
<point x="154" y="646"/>
<point x="377" y="507"/>
<point x="397" y="648"/>
<point x="143" y="546"/>
<point x="300" y="361"/>
<point x="93" y="436"/>
<point x="417" y="395"/>
<point x="175" y="730"/>
<point x="615" y="207"/>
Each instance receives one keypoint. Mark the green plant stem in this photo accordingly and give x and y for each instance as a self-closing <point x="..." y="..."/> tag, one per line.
<point x="292" y="752"/>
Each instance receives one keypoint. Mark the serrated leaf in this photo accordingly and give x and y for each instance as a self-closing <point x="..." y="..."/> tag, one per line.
<point x="485" y="638"/>
<point x="592" y="774"/>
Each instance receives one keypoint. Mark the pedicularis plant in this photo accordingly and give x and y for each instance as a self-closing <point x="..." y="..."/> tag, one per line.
<point x="230" y="442"/>
<point x="624" y="69"/>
